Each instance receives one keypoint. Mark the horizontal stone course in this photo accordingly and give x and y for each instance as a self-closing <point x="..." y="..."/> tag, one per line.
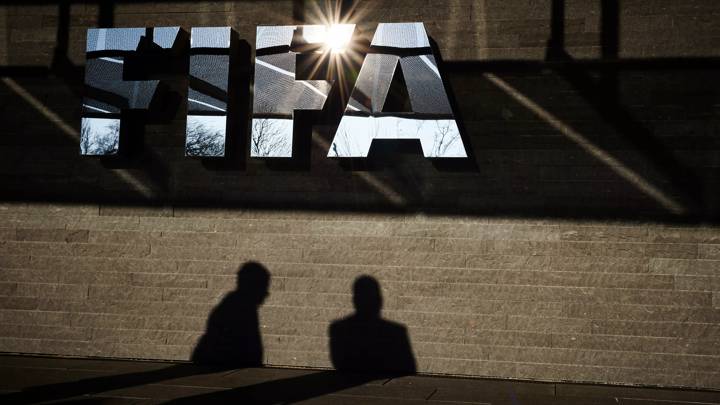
<point x="53" y="235"/>
<point x="73" y="249"/>
<point x="636" y="344"/>
<point x="608" y="358"/>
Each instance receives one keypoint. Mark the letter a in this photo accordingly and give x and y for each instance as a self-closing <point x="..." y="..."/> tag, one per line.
<point x="430" y="120"/>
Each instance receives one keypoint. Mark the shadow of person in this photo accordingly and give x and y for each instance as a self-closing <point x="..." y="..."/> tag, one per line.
<point x="232" y="336"/>
<point x="364" y="341"/>
<point x="232" y="340"/>
<point x="363" y="348"/>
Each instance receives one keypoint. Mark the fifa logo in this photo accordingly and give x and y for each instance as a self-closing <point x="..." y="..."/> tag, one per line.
<point x="285" y="81"/>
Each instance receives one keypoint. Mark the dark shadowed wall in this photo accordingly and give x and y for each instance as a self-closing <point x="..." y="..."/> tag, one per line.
<point x="580" y="241"/>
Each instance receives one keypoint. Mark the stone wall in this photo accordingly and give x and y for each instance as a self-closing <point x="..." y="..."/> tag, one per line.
<point x="581" y="243"/>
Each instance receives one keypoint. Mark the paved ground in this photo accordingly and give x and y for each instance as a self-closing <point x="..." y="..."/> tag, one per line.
<point x="25" y="379"/>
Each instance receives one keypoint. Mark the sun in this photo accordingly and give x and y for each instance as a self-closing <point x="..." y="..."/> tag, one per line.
<point x="334" y="38"/>
<point x="338" y="37"/>
<point x="331" y="31"/>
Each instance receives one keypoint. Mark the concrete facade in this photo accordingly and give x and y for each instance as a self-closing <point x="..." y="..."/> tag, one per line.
<point x="582" y="244"/>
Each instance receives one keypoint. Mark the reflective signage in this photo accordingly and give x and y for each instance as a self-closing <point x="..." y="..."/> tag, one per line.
<point x="106" y="91"/>
<point x="206" y="129"/>
<point x="430" y="120"/>
<point x="399" y="53"/>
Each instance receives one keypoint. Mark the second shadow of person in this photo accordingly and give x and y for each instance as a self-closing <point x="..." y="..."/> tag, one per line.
<point x="364" y="341"/>
<point x="232" y="336"/>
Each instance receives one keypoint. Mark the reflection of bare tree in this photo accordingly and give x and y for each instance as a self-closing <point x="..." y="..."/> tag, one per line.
<point x="419" y="124"/>
<point x="84" y="139"/>
<point x="354" y="143"/>
<point x="99" y="141"/>
<point x="444" y="137"/>
<point x="343" y="146"/>
<point x="269" y="139"/>
<point x="202" y="141"/>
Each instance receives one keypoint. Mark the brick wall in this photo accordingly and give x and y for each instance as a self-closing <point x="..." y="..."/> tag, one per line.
<point x="581" y="246"/>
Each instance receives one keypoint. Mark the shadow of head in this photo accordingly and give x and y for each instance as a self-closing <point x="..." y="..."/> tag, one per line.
<point x="253" y="283"/>
<point x="367" y="297"/>
<point x="366" y="342"/>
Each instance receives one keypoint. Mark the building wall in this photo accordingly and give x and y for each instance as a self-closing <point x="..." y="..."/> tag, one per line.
<point x="580" y="245"/>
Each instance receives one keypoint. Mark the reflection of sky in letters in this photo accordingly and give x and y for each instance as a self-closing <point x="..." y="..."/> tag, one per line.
<point x="271" y="36"/>
<point x="210" y="37"/>
<point x="401" y="35"/>
<point x="127" y="39"/>
<point x="205" y="135"/>
<point x="271" y="137"/>
<point x="439" y="138"/>
<point x="165" y="36"/>
<point x="99" y="136"/>
<point x="115" y="39"/>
